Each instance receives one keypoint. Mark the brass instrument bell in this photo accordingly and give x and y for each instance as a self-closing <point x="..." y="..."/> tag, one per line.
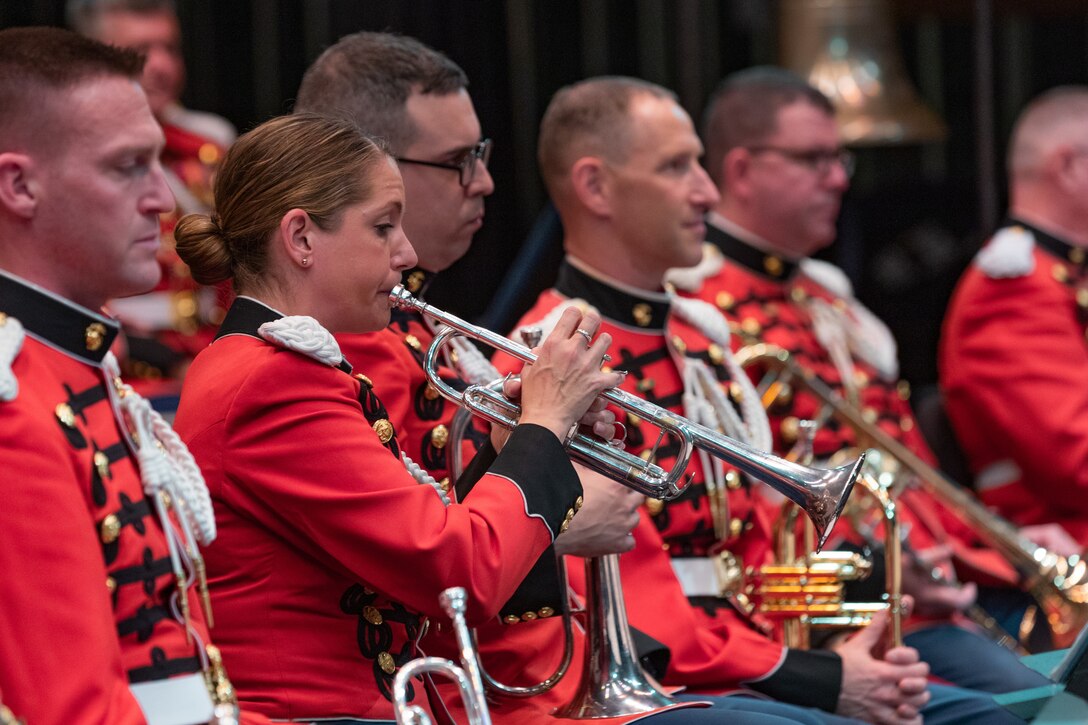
<point x="848" y="50"/>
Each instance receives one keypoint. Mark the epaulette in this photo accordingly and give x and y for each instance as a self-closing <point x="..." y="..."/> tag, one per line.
<point x="1010" y="253"/>
<point x="303" y="335"/>
<point x="828" y="276"/>
<point x="11" y="342"/>
<point x="690" y="279"/>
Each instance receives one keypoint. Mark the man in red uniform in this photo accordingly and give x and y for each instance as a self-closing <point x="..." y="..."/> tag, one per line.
<point x="1013" y="350"/>
<point x="101" y="621"/>
<point x="164" y="329"/>
<point x="773" y="150"/>
<point x="620" y="159"/>
<point x="414" y="97"/>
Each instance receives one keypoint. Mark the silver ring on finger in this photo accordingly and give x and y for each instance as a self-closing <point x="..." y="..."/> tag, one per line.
<point x="586" y="334"/>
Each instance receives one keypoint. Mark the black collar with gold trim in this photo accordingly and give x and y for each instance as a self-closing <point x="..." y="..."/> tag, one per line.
<point x="245" y="317"/>
<point x="416" y="280"/>
<point x="756" y="260"/>
<point x="649" y="312"/>
<point x="81" y="333"/>
<point x="1077" y="256"/>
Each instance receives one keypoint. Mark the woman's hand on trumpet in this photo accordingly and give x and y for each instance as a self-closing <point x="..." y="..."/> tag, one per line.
<point x="604" y="524"/>
<point x="560" y="389"/>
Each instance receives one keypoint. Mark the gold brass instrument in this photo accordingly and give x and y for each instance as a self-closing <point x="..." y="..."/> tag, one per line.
<point x="467" y="676"/>
<point x="1057" y="583"/>
<point x="821" y="493"/>
<point x="807" y="591"/>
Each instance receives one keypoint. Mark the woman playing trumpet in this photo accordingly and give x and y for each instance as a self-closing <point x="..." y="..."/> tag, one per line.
<point x="331" y="552"/>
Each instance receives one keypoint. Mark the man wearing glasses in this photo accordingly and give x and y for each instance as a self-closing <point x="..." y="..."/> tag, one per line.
<point x="773" y="151"/>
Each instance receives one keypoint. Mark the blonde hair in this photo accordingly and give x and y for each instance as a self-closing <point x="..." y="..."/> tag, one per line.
<point x="303" y="161"/>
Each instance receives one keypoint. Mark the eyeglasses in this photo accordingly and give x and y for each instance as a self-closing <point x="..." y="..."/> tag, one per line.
<point x="819" y="160"/>
<point x="466" y="167"/>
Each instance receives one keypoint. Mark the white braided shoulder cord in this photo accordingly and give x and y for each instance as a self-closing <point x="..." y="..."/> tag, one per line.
<point x="855" y="331"/>
<point x="423" y="478"/>
<point x="11" y="342"/>
<point x="167" y="465"/>
<point x="700" y="409"/>
<point x="751" y="425"/>
<point x="304" y="335"/>
<point x="690" y="279"/>
<point x="827" y="323"/>
<point x="471" y="365"/>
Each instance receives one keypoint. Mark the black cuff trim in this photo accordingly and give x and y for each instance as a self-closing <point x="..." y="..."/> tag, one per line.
<point x="540" y="594"/>
<point x="475" y="470"/>
<point x="534" y="459"/>
<point x="808" y="678"/>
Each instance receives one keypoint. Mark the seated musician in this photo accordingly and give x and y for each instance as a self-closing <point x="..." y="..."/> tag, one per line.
<point x="773" y="149"/>
<point x="164" y="329"/>
<point x="424" y="112"/>
<point x="1013" y="350"/>
<point x="101" y="620"/>
<point x="331" y="553"/>
<point x="620" y="159"/>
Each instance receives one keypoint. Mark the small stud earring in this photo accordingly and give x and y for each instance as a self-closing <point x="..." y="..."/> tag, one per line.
<point x="305" y="261"/>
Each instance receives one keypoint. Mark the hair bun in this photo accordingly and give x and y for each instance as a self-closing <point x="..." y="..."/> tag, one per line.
<point x="202" y="245"/>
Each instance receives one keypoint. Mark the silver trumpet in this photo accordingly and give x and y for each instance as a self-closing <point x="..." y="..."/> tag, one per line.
<point x="467" y="676"/>
<point x="821" y="493"/>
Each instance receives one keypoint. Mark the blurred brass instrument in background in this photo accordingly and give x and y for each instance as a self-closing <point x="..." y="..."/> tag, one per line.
<point x="1058" y="584"/>
<point x="467" y="676"/>
<point x="804" y="591"/>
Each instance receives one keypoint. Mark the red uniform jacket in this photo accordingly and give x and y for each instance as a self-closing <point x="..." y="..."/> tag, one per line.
<point x="767" y="299"/>
<point x="329" y="553"/>
<point x="1012" y="363"/>
<point x="713" y="649"/>
<point x="88" y="607"/>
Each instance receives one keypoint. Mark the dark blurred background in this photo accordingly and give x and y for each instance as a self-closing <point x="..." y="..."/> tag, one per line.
<point x="916" y="213"/>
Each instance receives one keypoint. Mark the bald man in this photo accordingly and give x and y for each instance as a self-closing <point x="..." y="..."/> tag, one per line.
<point x="1013" y="354"/>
